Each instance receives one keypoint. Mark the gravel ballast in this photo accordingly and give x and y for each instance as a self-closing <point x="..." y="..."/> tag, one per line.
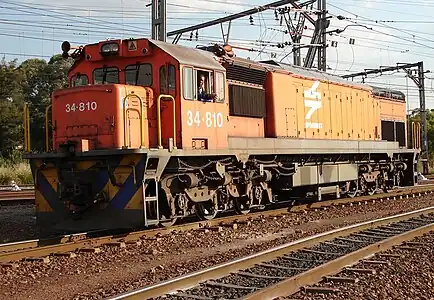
<point x="116" y="270"/>
<point x="410" y="276"/>
<point x="17" y="223"/>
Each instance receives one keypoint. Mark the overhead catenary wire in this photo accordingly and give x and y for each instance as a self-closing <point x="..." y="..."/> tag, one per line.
<point x="92" y="27"/>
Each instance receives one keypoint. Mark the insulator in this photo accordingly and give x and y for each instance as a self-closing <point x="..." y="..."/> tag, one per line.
<point x="251" y="20"/>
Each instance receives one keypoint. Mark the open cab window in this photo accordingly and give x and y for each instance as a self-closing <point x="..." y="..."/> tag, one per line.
<point x="203" y="85"/>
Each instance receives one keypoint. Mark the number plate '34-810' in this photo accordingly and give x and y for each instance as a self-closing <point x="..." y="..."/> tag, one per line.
<point x="210" y="119"/>
<point x="82" y="106"/>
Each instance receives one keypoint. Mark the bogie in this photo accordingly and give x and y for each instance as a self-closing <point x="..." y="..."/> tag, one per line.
<point x="244" y="189"/>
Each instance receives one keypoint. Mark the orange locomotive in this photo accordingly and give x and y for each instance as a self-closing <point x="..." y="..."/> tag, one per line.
<point x="149" y="132"/>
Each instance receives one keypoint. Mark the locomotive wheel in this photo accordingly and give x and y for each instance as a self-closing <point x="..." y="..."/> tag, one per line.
<point x="353" y="189"/>
<point x="397" y="179"/>
<point x="382" y="184"/>
<point x="206" y="210"/>
<point x="372" y="188"/>
<point x="371" y="191"/>
<point x="167" y="222"/>
<point x="242" y="205"/>
<point x="167" y="216"/>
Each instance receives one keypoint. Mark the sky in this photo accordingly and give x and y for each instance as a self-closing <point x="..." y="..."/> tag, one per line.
<point x="385" y="32"/>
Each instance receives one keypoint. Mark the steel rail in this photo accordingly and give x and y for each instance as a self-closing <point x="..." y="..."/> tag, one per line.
<point x="21" y="245"/>
<point x="292" y="284"/>
<point x="61" y="244"/>
<point x="23" y="195"/>
<point x="315" y="275"/>
<point x="22" y="187"/>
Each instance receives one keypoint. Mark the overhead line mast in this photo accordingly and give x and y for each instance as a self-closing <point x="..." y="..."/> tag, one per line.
<point x="159" y="20"/>
<point x="319" y="37"/>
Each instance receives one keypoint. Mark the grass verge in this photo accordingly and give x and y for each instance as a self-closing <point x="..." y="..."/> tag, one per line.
<point x="20" y="173"/>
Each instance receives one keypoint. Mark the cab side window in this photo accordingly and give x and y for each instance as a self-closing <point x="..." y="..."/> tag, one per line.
<point x="106" y="75"/>
<point x="220" y="87"/>
<point x="163" y="80"/>
<point x="203" y="85"/>
<point x="172" y="77"/>
<point x="187" y="79"/>
<point x="167" y="79"/>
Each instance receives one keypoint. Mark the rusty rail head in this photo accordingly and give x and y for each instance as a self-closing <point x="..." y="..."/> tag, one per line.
<point x="225" y="269"/>
<point x="294" y="284"/>
<point x="23" y="195"/>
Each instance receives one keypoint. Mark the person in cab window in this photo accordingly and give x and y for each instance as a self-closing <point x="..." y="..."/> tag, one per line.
<point x="202" y="95"/>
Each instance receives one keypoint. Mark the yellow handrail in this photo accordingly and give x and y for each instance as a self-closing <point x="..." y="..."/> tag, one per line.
<point x="416" y="133"/>
<point x="46" y="128"/>
<point x="160" y="146"/>
<point x="26" y="113"/>
<point x="141" y="119"/>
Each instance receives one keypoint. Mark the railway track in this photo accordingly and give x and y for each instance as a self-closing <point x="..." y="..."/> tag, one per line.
<point x="286" y="269"/>
<point x="64" y="245"/>
<point x="406" y="271"/>
<point x="13" y="198"/>
<point x="22" y="187"/>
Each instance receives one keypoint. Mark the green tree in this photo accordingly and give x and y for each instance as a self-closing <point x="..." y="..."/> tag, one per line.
<point x="39" y="80"/>
<point x="11" y="128"/>
<point x="11" y="99"/>
<point x="10" y="88"/>
<point x="415" y="117"/>
<point x="33" y="81"/>
<point x="58" y="68"/>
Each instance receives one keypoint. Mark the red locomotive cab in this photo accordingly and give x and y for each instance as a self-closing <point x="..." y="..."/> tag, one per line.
<point x="142" y="93"/>
<point x="97" y="117"/>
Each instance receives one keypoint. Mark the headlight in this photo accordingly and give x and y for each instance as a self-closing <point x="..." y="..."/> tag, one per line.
<point x="109" y="48"/>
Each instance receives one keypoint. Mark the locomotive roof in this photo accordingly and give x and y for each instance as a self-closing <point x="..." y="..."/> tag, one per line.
<point x="190" y="56"/>
<point x="312" y="73"/>
<point x="383" y="92"/>
<point x="270" y="65"/>
<point x="207" y="59"/>
<point x="316" y="74"/>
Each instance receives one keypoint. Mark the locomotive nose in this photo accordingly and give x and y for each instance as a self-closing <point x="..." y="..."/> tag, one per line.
<point x="101" y="117"/>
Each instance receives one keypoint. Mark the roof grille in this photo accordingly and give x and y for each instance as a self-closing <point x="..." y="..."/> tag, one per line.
<point x="244" y="74"/>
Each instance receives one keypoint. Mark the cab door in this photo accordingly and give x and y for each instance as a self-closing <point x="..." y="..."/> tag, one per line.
<point x="169" y="105"/>
<point x="132" y="130"/>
